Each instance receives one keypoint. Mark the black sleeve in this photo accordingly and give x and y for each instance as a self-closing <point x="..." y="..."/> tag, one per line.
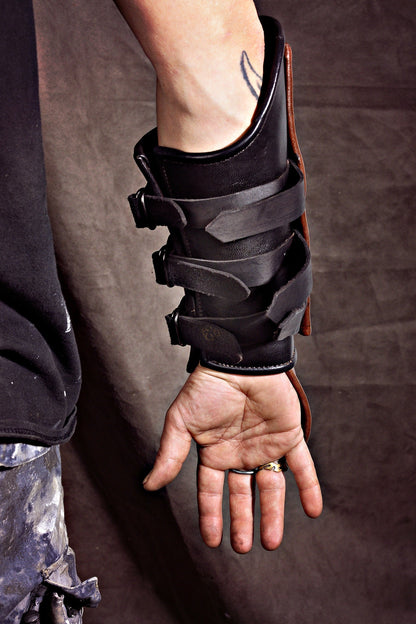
<point x="39" y="364"/>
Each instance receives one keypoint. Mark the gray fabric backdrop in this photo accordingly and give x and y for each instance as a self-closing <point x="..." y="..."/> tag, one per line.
<point x="354" y="93"/>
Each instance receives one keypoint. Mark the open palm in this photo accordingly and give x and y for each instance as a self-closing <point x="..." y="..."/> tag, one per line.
<point x="238" y="422"/>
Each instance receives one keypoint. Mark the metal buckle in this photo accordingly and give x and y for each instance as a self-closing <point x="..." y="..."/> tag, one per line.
<point x="159" y="264"/>
<point x="138" y="208"/>
<point x="173" y="327"/>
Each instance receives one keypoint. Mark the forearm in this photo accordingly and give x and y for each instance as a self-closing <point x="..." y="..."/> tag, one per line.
<point x="204" y="55"/>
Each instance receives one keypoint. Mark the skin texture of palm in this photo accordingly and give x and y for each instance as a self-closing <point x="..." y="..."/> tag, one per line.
<point x="238" y="422"/>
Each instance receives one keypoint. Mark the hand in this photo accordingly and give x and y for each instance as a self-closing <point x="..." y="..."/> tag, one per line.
<point x="238" y="422"/>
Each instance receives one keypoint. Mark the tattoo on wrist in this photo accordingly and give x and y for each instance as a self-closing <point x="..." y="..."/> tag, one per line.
<point x="252" y="79"/>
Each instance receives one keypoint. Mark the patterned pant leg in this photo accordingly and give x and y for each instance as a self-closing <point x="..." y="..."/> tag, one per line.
<point x="38" y="578"/>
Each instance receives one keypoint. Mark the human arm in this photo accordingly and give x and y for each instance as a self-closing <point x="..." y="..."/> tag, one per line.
<point x="204" y="105"/>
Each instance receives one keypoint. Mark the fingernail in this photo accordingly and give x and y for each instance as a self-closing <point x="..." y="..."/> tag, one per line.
<point x="146" y="479"/>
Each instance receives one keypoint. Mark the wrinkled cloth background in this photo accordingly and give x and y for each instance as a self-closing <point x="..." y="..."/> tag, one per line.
<point x="355" y="100"/>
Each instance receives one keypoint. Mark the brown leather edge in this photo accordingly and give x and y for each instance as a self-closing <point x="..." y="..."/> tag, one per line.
<point x="290" y="111"/>
<point x="306" y="417"/>
<point x="305" y="328"/>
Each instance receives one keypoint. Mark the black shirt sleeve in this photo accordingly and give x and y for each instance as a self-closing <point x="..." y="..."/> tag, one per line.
<point x="39" y="364"/>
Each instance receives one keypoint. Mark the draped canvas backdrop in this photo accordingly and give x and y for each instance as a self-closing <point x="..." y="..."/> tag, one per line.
<point x="354" y="97"/>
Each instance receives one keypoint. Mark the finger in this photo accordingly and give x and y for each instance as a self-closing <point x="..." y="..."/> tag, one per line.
<point x="272" y="487"/>
<point x="173" y="450"/>
<point x="210" y="489"/>
<point x="241" y="489"/>
<point x="301" y="464"/>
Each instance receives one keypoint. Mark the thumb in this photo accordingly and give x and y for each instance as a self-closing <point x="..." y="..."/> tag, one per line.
<point x="173" y="450"/>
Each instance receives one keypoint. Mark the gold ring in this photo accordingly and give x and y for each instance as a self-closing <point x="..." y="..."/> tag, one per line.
<point x="278" y="465"/>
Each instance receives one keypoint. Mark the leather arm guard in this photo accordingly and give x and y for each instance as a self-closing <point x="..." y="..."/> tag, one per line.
<point x="238" y="240"/>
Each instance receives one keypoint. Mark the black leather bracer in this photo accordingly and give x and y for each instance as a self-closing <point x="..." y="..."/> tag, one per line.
<point x="238" y="240"/>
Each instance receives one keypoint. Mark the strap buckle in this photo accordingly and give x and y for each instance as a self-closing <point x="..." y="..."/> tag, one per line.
<point x="172" y="321"/>
<point x="138" y="208"/>
<point x="159" y="265"/>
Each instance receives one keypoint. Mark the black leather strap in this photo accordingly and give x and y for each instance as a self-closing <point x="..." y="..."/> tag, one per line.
<point x="219" y="345"/>
<point x="204" y="334"/>
<point x="180" y="271"/>
<point x="200" y="212"/>
<point x="150" y="211"/>
<point x="264" y="215"/>
<point x="229" y="217"/>
<point x="222" y="278"/>
<point x="294" y="294"/>
<point x="232" y="333"/>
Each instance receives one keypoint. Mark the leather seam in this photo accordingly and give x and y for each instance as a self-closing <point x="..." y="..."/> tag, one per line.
<point x="250" y="367"/>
